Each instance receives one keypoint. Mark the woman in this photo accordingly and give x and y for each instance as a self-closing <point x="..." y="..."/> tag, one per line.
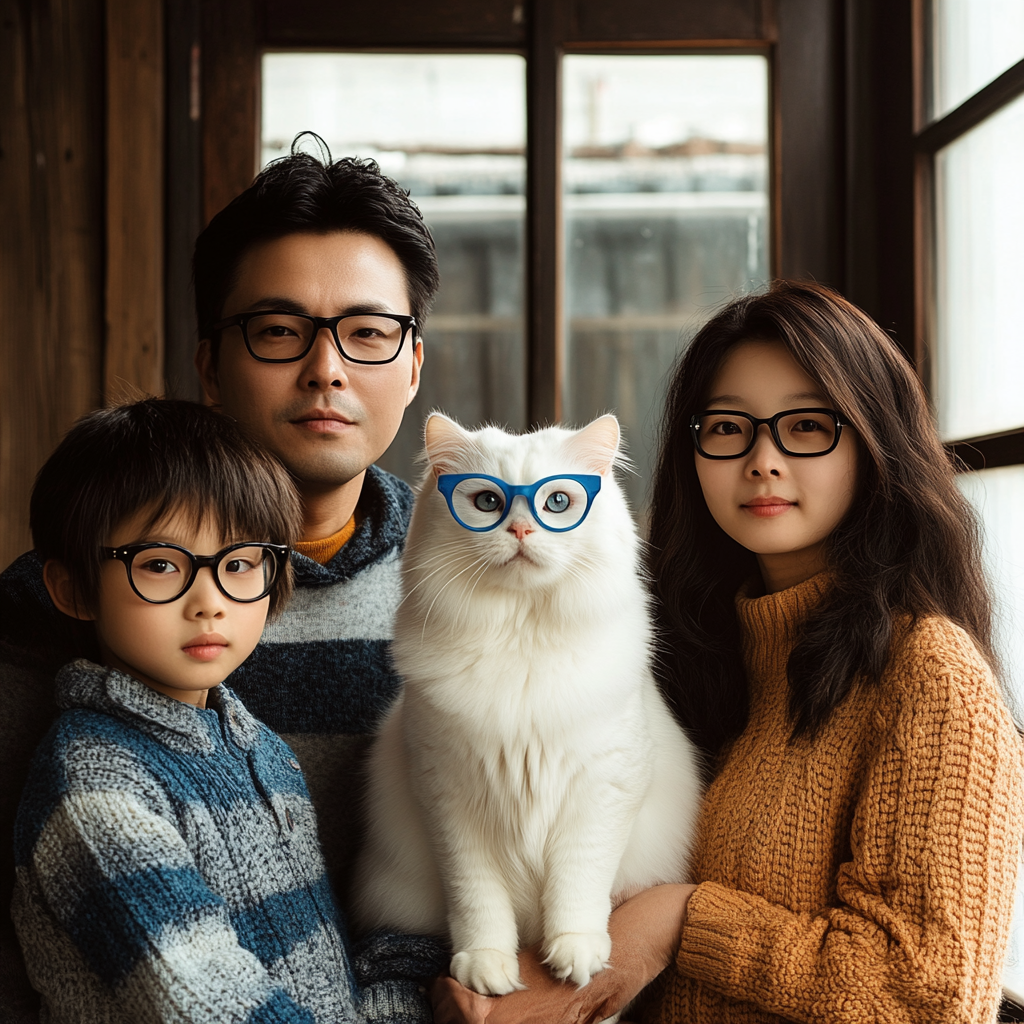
<point x="826" y="637"/>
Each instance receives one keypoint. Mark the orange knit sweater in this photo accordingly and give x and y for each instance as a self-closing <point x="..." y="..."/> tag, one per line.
<point x="866" y="874"/>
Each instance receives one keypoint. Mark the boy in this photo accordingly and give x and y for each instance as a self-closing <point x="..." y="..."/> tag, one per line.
<point x="168" y="866"/>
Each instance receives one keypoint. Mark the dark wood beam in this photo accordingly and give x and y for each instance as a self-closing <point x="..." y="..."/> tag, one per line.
<point x="808" y="94"/>
<point x="133" y="357"/>
<point x="1008" y="86"/>
<point x="230" y="101"/>
<point x="545" y="320"/>
<point x="735" y="21"/>
<point x="393" y="24"/>
<point x="184" y="201"/>
<point x="991" y="451"/>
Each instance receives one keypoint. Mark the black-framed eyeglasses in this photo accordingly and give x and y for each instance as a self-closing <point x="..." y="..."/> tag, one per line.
<point x="161" y="573"/>
<point x="801" y="433"/>
<point x="273" y="336"/>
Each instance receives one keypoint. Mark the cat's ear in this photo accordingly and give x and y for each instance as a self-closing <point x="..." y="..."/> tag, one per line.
<point x="445" y="442"/>
<point x="596" y="446"/>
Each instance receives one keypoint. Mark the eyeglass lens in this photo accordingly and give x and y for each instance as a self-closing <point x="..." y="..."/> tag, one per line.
<point x="371" y="339"/>
<point x="800" y="433"/>
<point x="162" y="574"/>
<point x="559" y="504"/>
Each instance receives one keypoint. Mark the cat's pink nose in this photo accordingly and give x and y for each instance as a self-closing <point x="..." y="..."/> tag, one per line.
<point x="520" y="529"/>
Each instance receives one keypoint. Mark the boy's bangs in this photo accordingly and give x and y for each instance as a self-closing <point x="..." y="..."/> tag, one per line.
<point x="149" y="461"/>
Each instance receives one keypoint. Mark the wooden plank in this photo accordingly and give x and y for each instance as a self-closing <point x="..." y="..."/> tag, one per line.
<point x="545" y="335"/>
<point x="879" y="214"/>
<point x="681" y="20"/>
<point x="134" y="353"/>
<point x="808" y="94"/>
<point x="230" y="101"/>
<point x="184" y="199"/>
<point x="1005" y="449"/>
<point x="391" y="24"/>
<point x="996" y="95"/>
<point x="51" y="245"/>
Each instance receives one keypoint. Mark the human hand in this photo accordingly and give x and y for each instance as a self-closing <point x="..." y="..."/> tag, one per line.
<point x="645" y="932"/>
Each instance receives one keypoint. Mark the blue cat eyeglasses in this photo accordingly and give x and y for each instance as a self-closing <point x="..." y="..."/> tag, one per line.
<point x="479" y="502"/>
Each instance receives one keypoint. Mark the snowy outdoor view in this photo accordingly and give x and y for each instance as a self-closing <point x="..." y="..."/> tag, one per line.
<point x="665" y="178"/>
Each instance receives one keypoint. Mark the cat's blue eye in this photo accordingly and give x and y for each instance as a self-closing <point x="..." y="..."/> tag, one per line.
<point x="488" y="501"/>
<point x="558" y="502"/>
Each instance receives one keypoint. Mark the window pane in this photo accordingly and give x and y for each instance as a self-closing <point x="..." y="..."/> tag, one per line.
<point x="452" y="130"/>
<point x="979" y="366"/>
<point x="998" y="496"/>
<point x="666" y="208"/>
<point x="973" y="41"/>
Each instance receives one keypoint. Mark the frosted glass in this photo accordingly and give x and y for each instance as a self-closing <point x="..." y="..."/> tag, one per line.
<point x="973" y="41"/>
<point x="666" y="216"/>
<point x="451" y="128"/>
<point x="382" y="103"/>
<point x="998" y="497"/>
<point x="979" y="356"/>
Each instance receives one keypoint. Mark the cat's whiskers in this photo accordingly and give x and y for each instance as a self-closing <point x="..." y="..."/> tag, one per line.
<point x="439" y="551"/>
<point x="426" y="618"/>
<point x="425" y="564"/>
<point x="426" y="579"/>
<point x="476" y="576"/>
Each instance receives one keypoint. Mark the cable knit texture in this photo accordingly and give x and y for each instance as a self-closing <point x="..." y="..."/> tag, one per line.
<point x="168" y="867"/>
<point x="868" y="873"/>
<point x="321" y="676"/>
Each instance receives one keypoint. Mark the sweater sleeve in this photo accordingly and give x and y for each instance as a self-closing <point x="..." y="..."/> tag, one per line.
<point x="922" y="910"/>
<point x="133" y="912"/>
<point x="392" y="970"/>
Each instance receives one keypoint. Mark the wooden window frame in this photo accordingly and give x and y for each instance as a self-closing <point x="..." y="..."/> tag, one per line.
<point x="802" y="39"/>
<point x="987" y="451"/>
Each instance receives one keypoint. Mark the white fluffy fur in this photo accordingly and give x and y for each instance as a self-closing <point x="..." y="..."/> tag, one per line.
<point x="531" y="775"/>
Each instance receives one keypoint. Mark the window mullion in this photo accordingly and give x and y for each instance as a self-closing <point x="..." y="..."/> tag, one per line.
<point x="545" y="331"/>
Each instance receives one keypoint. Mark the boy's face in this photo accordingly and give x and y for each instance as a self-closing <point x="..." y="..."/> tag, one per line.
<point x="325" y="418"/>
<point x="187" y="646"/>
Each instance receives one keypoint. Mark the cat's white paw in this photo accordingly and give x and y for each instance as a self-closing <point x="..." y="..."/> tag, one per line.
<point x="487" y="971"/>
<point x="578" y="955"/>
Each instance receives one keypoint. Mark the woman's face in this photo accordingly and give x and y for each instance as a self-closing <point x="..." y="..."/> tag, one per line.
<point x="779" y="507"/>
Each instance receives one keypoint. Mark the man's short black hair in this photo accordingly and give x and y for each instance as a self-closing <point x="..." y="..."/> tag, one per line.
<point x="160" y="456"/>
<point x="300" y="193"/>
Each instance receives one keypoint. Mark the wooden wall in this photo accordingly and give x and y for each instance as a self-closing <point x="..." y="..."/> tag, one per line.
<point x="81" y="222"/>
<point x="52" y="230"/>
<point x="134" y="345"/>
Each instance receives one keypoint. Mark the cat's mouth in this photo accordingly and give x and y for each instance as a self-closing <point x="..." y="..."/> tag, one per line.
<point x="519" y="556"/>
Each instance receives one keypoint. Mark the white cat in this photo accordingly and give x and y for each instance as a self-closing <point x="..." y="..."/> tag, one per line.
<point x="531" y="775"/>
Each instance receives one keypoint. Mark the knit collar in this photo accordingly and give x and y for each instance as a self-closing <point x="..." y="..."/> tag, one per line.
<point x="771" y="623"/>
<point x="385" y="504"/>
<point x="182" y="727"/>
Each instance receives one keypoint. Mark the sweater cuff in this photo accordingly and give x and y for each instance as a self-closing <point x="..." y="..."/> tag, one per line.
<point x="396" y="1002"/>
<point x="385" y="956"/>
<point x="722" y="940"/>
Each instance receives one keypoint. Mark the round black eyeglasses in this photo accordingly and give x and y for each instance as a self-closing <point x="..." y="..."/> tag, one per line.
<point x="161" y="573"/>
<point x="280" y="337"/>
<point x="801" y="433"/>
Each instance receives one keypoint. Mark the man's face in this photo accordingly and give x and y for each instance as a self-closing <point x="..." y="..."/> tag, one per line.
<point x="284" y="405"/>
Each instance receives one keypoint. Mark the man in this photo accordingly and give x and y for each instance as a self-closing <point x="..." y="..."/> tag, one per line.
<point x="311" y="289"/>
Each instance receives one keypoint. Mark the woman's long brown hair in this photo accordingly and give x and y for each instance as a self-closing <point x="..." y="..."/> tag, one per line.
<point x="909" y="544"/>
